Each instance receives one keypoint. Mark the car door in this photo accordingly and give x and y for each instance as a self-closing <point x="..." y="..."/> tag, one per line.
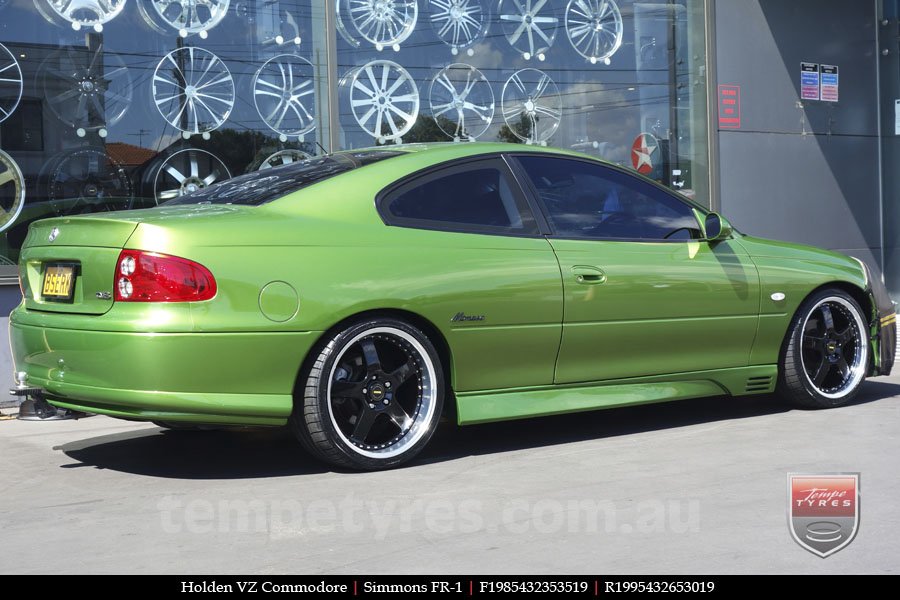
<point x="643" y="294"/>
<point x="492" y="284"/>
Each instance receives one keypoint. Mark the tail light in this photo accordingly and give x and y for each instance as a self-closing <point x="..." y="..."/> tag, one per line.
<point x="151" y="277"/>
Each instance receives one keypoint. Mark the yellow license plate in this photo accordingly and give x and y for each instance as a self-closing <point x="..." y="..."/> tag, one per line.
<point x="59" y="283"/>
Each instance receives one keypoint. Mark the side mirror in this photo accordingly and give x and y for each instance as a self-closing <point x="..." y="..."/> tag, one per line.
<point x="717" y="228"/>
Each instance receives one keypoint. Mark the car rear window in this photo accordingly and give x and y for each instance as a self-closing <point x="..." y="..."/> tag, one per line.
<point x="264" y="186"/>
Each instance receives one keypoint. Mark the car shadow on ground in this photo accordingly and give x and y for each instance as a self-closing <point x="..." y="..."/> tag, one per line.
<point x="250" y="453"/>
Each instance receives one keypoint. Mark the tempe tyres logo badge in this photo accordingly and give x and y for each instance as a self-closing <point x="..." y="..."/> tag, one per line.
<point x="824" y="511"/>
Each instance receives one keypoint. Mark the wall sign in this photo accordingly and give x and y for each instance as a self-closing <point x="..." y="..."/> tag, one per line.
<point x="830" y="83"/>
<point x="809" y="81"/>
<point x="729" y="107"/>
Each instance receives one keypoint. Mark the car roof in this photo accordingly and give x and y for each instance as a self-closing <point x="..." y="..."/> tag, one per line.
<point x="470" y="149"/>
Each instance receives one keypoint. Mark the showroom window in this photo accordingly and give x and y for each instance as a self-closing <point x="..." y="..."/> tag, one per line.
<point x="127" y="104"/>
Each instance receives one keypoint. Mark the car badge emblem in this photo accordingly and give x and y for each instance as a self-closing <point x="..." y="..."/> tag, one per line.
<point x="823" y="514"/>
<point x="54" y="233"/>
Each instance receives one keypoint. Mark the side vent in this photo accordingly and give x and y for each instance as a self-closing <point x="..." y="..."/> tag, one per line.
<point x="759" y="385"/>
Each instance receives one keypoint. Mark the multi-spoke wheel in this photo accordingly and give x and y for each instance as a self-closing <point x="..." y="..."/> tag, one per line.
<point x="460" y="23"/>
<point x="88" y="180"/>
<point x="12" y="191"/>
<point x="384" y="99"/>
<point x="594" y="28"/>
<point x="87" y="89"/>
<point x="184" y="16"/>
<point x="372" y="397"/>
<point x="284" y="96"/>
<point x="826" y="355"/>
<point x="383" y="23"/>
<point x="193" y="90"/>
<point x="281" y="158"/>
<point x="82" y="13"/>
<point x="11" y="83"/>
<point x="185" y="172"/>
<point x="529" y="26"/>
<point x="462" y="102"/>
<point x="532" y="106"/>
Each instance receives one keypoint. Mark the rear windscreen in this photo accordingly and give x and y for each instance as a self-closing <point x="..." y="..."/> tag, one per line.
<point x="264" y="186"/>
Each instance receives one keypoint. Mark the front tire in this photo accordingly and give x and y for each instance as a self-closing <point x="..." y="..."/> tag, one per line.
<point x="372" y="396"/>
<point x="826" y="354"/>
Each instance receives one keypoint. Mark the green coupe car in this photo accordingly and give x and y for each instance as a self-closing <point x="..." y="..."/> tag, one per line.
<point x="360" y="296"/>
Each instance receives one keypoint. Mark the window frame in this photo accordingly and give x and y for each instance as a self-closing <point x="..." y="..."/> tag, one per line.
<point x="546" y="220"/>
<point x="530" y="213"/>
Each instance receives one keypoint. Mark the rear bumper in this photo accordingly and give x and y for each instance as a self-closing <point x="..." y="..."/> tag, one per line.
<point x="244" y="378"/>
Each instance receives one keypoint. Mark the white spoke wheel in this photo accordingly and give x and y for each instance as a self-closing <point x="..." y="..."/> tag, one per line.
<point x="384" y="99"/>
<point x="185" y="172"/>
<point x="90" y="180"/>
<point x="594" y="28"/>
<point x="83" y="13"/>
<point x="12" y="191"/>
<point x="532" y="106"/>
<point x="459" y="23"/>
<point x="284" y="95"/>
<point x="372" y="397"/>
<point x="87" y="89"/>
<point x="11" y="83"/>
<point x="193" y="90"/>
<point x="826" y="354"/>
<point x="529" y="26"/>
<point x="462" y="102"/>
<point x="184" y="16"/>
<point x="383" y="23"/>
<point x="281" y="158"/>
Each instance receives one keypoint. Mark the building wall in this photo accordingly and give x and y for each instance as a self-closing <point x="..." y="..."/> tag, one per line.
<point x="797" y="170"/>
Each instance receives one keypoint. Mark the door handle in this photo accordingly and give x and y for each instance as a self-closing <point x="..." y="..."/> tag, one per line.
<point x="589" y="275"/>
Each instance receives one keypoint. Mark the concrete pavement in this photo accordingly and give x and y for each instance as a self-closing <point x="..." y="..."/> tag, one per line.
<point x="692" y="487"/>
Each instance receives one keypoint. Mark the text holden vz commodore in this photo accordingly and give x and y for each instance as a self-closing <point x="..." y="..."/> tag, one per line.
<point x="352" y="296"/>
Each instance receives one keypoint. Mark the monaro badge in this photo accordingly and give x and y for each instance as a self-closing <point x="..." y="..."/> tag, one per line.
<point x="824" y="511"/>
<point x="54" y="233"/>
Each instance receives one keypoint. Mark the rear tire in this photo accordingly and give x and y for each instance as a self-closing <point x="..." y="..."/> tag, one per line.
<point x="826" y="353"/>
<point x="371" y="397"/>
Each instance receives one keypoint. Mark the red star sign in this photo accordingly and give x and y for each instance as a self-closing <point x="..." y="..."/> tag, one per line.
<point x="645" y="145"/>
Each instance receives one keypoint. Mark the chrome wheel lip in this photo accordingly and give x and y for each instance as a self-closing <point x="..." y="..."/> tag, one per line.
<point x="427" y="401"/>
<point x="861" y="359"/>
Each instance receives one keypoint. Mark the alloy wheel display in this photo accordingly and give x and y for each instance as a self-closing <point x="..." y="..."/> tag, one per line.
<point x="90" y="180"/>
<point x="281" y="158"/>
<point x="11" y="83"/>
<point x="185" y="172"/>
<point x="284" y="96"/>
<point x="193" y="90"/>
<point x="187" y="17"/>
<point x="384" y="99"/>
<point x="12" y="191"/>
<point x="462" y="102"/>
<point x="529" y="26"/>
<point x="459" y="23"/>
<point x="82" y="13"/>
<point x="382" y="23"/>
<point x="594" y="28"/>
<point x="532" y="106"/>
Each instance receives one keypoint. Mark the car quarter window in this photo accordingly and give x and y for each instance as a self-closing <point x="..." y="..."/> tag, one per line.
<point x="591" y="201"/>
<point x="476" y="197"/>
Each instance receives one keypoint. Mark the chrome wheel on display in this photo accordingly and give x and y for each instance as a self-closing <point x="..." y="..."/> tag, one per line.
<point x="92" y="14"/>
<point x="373" y="397"/>
<point x="88" y="180"/>
<point x="460" y="23"/>
<point x="12" y="191"/>
<point x="594" y="28"/>
<point x="384" y="99"/>
<point x="826" y="356"/>
<point x="11" y="83"/>
<point x="529" y="26"/>
<point x="284" y="96"/>
<point x="187" y="17"/>
<point x="87" y="89"/>
<point x="193" y="90"/>
<point x="185" y="172"/>
<point x="281" y="158"/>
<point x="383" y="23"/>
<point x="532" y="106"/>
<point x="462" y="102"/>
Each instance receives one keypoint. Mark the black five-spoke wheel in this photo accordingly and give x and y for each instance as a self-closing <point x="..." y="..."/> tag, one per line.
<point x="372" y="397"/>
<point x="827" y="353"/>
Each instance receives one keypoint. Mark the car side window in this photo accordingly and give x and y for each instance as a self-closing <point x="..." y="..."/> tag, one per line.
<point x="591" y="201"/>
<point x="474" y="198"/>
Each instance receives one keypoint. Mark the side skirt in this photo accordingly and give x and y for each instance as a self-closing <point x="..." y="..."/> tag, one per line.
<point x="501" y="405"/>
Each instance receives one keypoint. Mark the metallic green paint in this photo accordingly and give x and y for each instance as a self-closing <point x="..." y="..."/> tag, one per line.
<point x="660" y="312"/>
